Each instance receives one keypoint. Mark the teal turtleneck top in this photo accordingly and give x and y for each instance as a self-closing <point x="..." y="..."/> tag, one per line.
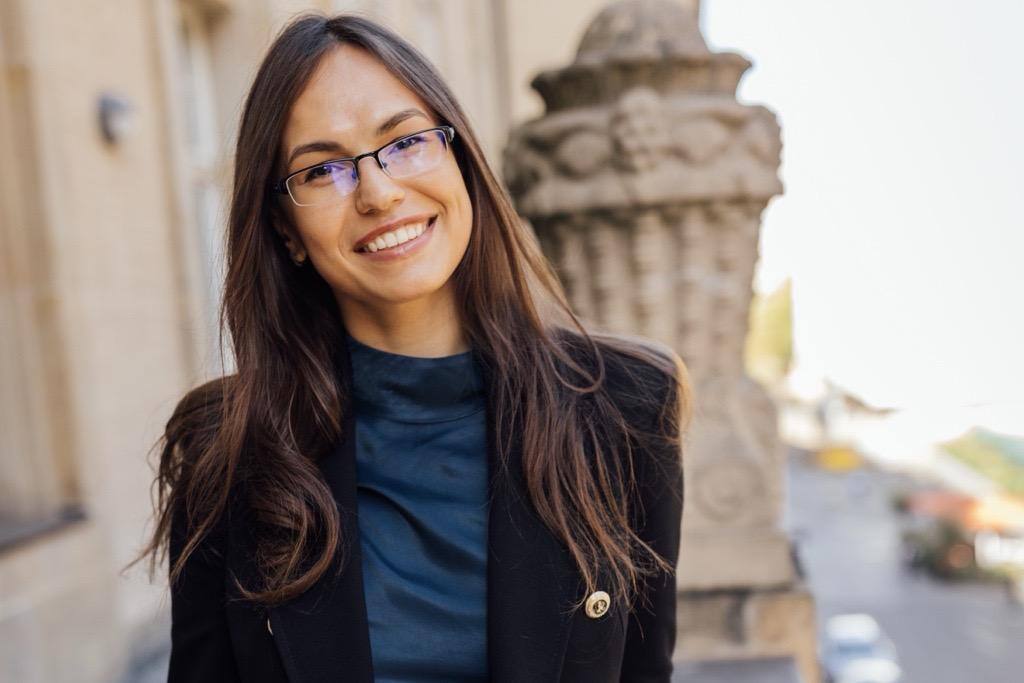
<point x="421" y="469"/>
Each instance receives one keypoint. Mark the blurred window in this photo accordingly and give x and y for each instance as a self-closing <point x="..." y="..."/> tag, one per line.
<point x="200" y="161"/>
<point x="37" y="490"/>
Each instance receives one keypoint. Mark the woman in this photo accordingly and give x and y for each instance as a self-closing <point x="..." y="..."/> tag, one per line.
<point x="403" y="350"/>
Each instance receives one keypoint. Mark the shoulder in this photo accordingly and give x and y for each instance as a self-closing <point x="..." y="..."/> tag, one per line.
<point x="646" y="379"/>
<point x="186" y="461"/>
<point x="197" y="416"/>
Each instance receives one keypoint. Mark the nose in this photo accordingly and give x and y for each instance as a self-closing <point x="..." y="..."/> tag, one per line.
<point x="376" y="191"/>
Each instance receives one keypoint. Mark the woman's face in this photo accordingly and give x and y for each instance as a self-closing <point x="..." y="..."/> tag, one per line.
<point x="349" y="97"/>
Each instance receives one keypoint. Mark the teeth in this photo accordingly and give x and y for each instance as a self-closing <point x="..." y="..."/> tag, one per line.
<point x="395" y="237"/>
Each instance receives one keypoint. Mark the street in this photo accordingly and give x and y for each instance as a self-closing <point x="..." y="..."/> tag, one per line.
<point x="848" y="537"/>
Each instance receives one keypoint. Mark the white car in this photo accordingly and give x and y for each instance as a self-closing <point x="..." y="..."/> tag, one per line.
<point x="856" y="650"/>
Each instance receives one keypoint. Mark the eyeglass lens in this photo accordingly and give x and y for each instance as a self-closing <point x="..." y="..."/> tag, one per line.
<point x="405" y="157"/>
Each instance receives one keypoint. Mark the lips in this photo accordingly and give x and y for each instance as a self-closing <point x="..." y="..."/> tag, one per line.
<point x="379" y="252"/>
<point x="393" y="226"/>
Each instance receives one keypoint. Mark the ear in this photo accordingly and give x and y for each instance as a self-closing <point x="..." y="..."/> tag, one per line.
<point x="291" y="240"/>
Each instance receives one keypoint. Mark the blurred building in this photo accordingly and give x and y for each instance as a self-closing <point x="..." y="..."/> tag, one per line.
<point x="117" y="121"/>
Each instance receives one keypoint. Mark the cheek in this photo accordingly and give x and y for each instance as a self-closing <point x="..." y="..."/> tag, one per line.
<point x="458" y="202"/>
<point x="319" y="229"/>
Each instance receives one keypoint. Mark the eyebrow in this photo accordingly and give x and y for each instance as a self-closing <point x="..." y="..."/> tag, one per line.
<point x="331" y="146"/>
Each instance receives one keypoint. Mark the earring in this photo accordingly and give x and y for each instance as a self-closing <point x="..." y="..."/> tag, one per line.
<point x="299" y="260"/>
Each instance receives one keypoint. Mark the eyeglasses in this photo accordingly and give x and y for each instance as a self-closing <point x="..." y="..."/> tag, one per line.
<point x="331" y="180"/>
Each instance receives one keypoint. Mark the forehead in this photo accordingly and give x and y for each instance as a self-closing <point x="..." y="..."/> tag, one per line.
<point x="349" y="94"/>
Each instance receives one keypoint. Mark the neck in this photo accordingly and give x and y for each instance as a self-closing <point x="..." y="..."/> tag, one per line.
<point x="428" y="327"/>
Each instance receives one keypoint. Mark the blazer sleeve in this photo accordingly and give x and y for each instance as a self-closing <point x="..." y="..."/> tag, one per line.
<point x="200" y="643"/>
<point x="651" y="632"/>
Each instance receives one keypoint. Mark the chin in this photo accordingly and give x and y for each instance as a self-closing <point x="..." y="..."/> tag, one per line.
<point x="404" y="293"/>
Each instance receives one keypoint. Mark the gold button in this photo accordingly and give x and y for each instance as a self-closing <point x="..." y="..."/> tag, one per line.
<point x="597" y="604"/>
<point x="268" y="627"/>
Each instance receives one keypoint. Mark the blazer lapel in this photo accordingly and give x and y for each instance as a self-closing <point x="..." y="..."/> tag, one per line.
<point x="531" y="581"/>
<point x="323" y="634"/>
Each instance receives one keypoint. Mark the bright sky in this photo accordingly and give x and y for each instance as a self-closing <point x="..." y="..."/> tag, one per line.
<point x="902" y="225"/>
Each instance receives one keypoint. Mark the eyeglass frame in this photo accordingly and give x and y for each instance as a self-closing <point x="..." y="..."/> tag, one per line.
<point x="281" y="186"/>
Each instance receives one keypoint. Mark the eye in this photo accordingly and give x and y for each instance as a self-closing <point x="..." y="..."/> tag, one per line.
<point x="321" y="171"/>
<point x="406" y="143"/>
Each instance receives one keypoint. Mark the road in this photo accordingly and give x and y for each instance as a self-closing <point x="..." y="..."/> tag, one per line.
<point x="849" y="542"/>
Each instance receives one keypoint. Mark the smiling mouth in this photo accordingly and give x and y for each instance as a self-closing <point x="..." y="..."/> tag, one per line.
<point x="397" y="237"/>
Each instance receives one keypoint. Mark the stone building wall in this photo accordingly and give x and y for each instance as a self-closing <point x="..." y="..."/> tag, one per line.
<point x="94" y="335"/>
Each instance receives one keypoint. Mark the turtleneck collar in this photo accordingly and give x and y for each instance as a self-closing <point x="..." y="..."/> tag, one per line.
<point x="412" y="388"/>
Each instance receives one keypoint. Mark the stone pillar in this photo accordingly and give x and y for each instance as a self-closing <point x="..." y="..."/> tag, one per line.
<point x="645" y="181"/>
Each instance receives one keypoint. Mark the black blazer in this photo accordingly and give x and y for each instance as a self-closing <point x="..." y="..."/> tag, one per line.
<point x="322" y="635"/>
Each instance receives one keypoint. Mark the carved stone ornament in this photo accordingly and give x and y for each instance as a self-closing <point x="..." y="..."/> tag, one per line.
<point x="645" y="181"/>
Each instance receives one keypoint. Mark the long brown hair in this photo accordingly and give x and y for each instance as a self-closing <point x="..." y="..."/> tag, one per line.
<point x="258" y="433"/>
